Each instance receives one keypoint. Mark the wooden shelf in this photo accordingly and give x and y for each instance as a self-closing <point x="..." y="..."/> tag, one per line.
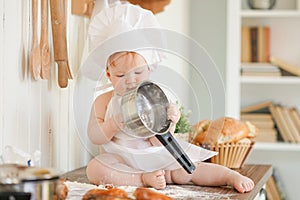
<point x="270" y="80"/>
<point x="279" y="146"/>
<point x="269" y="13"/>
<point x="283" y="22"/>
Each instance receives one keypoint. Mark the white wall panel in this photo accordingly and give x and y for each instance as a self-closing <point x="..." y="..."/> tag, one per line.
<point x="1" y="74"/>
<point x="37" y="115"/>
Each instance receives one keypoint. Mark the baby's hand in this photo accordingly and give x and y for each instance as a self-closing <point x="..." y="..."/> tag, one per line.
<point x="173" y="113"/>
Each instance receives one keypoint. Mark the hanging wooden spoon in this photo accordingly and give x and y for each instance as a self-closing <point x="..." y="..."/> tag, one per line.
<point x="35" y="55"/>
<point x="67" y="66"/>
<point x="58" y="21"/>
<point x="44" y="45"/>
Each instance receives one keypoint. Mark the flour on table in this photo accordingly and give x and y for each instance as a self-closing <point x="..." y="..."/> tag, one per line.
<point x="77" y="190"/>
<point x="177" y="192"/>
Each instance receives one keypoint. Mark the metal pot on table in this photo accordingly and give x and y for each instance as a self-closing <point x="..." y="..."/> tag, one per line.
<point x="27" y="183"/>
<point x="144" y="112"/>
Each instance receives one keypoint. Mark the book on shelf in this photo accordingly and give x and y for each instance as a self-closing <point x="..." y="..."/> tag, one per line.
<point x="285" y="122"/>
<point x="286" y="129"/>
<point x="245" y="44"/>
<point x="260" y="69"/>
<point x="291" y="125"/>
<point x="261" y="107"/>
<point x="259" y="122"/>
<point x="271" y="120"/>
<point x="260" y="116"/>
<point x="263" y="43"/>
<point x="266" y="135"/>
<point x="285" y="66"/>
<point x="276" y="74"/>
<point x="282" y="127"/>
<point x="295" y="117"/>
<point x="279" y="184"/>
<point x="262" y="123"/>
<point x="265" y="126"/>
<point x="255" y="44"/>
<point x="273" y="192"/>
<point x="256" y="116"/>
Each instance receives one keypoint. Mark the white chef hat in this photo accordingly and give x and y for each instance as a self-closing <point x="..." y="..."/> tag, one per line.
<point x="121" y="27"/>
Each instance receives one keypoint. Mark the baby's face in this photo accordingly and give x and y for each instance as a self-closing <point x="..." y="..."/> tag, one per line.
<point x="126" y="70"/>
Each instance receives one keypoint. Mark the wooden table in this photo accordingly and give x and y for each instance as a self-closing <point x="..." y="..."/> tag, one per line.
<point x="258" y="173"/>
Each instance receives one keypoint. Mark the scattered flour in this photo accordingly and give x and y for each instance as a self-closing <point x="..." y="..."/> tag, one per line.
<point x="178" y="192"/>
<point x="77" y="190"/>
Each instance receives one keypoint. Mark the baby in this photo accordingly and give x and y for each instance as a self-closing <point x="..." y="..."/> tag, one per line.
<point x="125" y="160"/>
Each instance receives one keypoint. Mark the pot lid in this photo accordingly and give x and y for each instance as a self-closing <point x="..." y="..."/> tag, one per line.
<point x="15" y="174"/>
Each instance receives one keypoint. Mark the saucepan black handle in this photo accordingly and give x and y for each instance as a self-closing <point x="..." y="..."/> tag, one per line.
<point x="177" y="152"/>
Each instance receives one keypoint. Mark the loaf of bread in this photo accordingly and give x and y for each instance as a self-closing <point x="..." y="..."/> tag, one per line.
<point x="222" y="130"/>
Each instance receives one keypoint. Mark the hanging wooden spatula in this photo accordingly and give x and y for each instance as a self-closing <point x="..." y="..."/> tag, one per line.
<point x="44" y="45"/>
<point x="35" y="55"/>
<point x="58" y="20"/>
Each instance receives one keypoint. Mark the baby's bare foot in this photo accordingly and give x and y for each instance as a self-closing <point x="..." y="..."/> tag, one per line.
<point x="239" y="182"/>
<point x="155" y="179"/>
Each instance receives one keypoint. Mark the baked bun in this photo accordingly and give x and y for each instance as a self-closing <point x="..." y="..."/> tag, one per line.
<point x="61" y="190"/>
<point x="145" y="194"/>
<point x="113" y="193"/>
<point x="220" y="131"/>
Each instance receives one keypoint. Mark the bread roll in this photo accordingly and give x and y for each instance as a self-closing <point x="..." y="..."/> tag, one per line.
<point x="222" y="130"/>
<point x="113" y="193"/>
<point x="62" y="190"/>
<point x="147" y="194"/>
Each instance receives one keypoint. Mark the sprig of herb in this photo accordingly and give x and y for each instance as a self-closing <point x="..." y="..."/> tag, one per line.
<point x="183" y="125"/>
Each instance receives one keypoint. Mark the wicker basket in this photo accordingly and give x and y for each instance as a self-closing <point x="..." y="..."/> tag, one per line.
<point x="232" y="155"/>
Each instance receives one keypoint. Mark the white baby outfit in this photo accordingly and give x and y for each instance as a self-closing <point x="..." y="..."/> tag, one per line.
<point x="138" y="153"/>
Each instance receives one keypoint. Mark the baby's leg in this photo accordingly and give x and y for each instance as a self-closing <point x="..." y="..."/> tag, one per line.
<point x="179" y="176"/>
<point x="217" y="175"/>
<point x="239" y="182"/>
<point x="111" y="169"/>
<point x="155" y="179"/>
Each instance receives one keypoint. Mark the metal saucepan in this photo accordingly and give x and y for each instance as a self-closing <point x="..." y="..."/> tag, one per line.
<point x="144" y="112"/>
<point x="27" y="183"/>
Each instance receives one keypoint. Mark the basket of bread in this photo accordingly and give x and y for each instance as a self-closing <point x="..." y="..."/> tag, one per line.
<point x="231" y="138"/>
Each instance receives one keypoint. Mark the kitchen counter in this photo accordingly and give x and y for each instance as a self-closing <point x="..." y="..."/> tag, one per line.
<point x="258" y="173"/>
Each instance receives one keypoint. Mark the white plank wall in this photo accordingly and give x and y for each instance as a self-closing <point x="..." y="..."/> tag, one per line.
<point x="37" y="115"/>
